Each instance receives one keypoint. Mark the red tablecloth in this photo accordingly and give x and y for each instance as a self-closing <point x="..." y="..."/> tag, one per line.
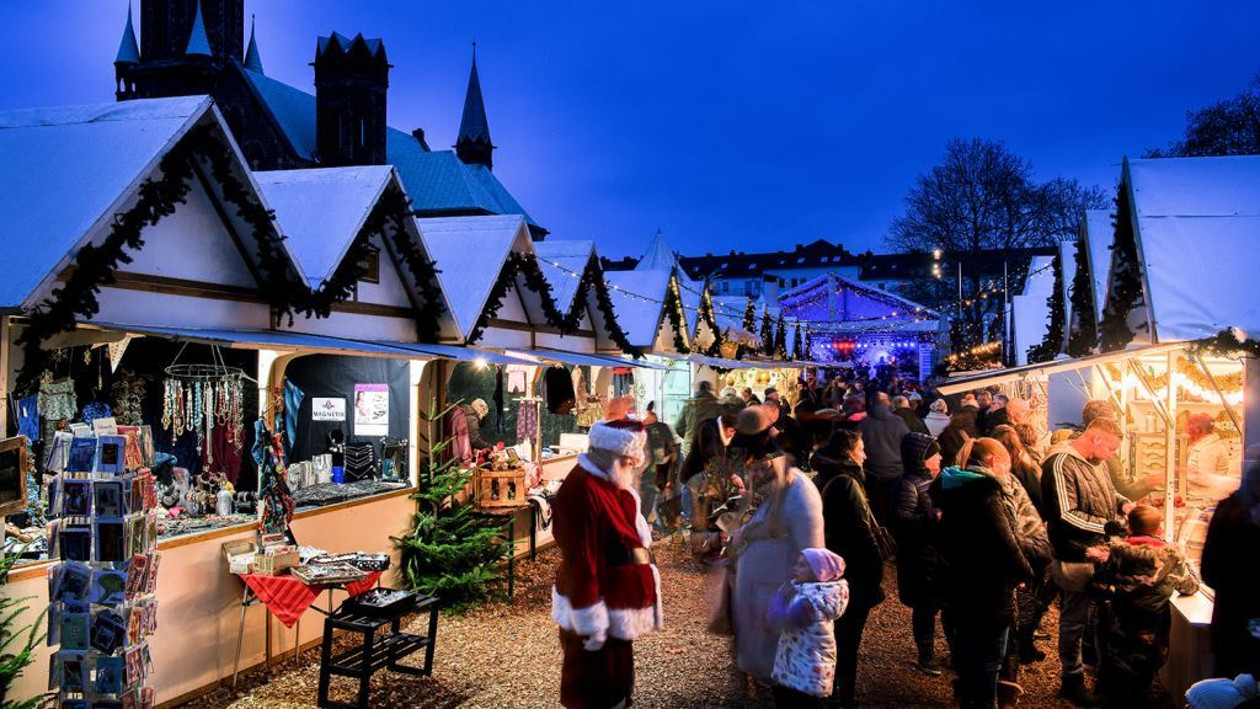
<point x="287" y="597"/>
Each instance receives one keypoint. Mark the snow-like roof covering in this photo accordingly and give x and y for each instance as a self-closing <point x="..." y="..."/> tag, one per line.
<point x="198" y="41"/>
<point x="690" y="292"/>
<point x="638" y="298"/>
<point x="562" y="264"/>
<point x="658" y="255"/>
<point x="320" y="211"/>
<point x="469" y="253"/>
<point x="1198" y="230"/>
<point x="64" y="169"/>
<point x="1067" y="256"/>
<point x="437" y="181"/>
<point x="1031" y="309"/>
<point x="1099" y="233"/>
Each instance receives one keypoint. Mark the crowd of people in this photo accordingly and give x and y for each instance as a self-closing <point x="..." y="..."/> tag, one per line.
<point x="988" y="519"/>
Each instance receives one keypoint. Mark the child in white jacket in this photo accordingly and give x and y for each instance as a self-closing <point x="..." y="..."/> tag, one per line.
<point x="805" y="607"/>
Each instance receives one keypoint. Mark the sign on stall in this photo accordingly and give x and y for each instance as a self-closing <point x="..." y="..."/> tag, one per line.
<point x="371" y="409"/>
<point x="328" y="408"/>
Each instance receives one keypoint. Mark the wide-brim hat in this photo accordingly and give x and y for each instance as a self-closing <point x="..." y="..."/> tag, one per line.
<point x="753" y="434"/>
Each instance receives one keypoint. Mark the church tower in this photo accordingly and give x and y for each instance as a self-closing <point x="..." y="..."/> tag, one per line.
<point x="473" y="145"/>
<point x="184" y="46"/>
<point x="351" y="81"/>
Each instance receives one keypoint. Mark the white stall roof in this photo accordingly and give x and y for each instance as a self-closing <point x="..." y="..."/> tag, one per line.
<point x="1199" y="237"/>
<point x="1099" y="233"/>
<point x="563" y="262"/>
<point x="470" y="253"/>
<point x="638" y="298"/>
<point x="320" y="211"/>
<point x="64" y="169"/>
<point x="1067" y="254"/>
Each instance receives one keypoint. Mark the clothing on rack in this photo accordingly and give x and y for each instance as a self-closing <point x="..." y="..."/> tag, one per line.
<point x="498" y="399"/>
<point x="544" y="510"/>
<point x="558" y="390"/>
<point x="222" y="454"/>
<point x="527" y="420"/>
<point x="517" y="379"/>
<point x="95" y="410"/>
<point x="57" y="401"/>
<point x="28" y="417"/>
<point x="579" y="384"/>
<point x="293" y="397"/>
<point x="623" y="382"/>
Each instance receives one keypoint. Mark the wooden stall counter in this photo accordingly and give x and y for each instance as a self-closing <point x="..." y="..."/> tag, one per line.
<point x="1190" y="657"/>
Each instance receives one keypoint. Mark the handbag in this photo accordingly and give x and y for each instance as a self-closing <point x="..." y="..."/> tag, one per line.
<point x="720" y="584"/>
<point x="884" y="540"/>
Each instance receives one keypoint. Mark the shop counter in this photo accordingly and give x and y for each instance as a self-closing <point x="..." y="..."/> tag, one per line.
<point x="1190" y="657"/>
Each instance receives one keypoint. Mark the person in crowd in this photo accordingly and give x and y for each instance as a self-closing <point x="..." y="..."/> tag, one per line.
<point x="854" y="410"/>
<point x="1228" y="567"/>
<point x="1129" y="489"/>
<point x="984" y="400"/>
<point x="1024" y="467"/>
<point x="702" y="493"/>
<point x="849" y="533"/>
<point x="962" y="426"/>
<point x="996" y="415"/>
<point x="1207" y="465"/>
<point x="914" y="519"/>
<point x="1019" y="415"/>
<point x="882" y="431"/>
<point x="937" y="418"/>
<point x="731" y="402"/>
<point x="833" y="397"/>
<point x="696" y="410"/>
<point x="1241" y="692"/>
<point x="750" y="399"/>
<point x="774" y="397"/>
<point x="475" y="413"/>
<point x="1080" y="506"/>
<point x="903" y="408"/>
<point x="809" y="397"/>
<point x="1139" y="578"/>
<point x="605" y="593"/>
<point x="786" y="522"/>
<point x="984" y="564"/>
<point x="664" y="459"/>
<point x="805" y="609"/>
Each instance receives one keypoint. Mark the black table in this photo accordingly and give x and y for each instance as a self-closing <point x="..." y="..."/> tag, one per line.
<point x="376" y="651"/>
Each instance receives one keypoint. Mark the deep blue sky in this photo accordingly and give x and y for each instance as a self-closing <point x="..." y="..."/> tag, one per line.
<point x="732" y="124"/>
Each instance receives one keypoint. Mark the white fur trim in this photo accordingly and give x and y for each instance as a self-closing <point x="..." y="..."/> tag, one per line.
<point x="592" y="620"/>
<point x="617" y="440"/>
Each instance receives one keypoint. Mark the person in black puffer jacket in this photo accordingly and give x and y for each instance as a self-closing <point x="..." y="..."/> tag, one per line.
<point x="983" y="565"/>
<point x="914" y="519"/>
<point x="847" y="529"/>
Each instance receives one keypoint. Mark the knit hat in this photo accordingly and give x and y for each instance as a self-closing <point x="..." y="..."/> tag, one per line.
<point x="1222" y="693"/>
<point x="624" y="437"/>
<point x="479" y="407"/>
<point x="916" y="448"/>
<point x="826" y="564"/>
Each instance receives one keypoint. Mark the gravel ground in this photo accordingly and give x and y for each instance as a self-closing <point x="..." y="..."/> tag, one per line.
<point x="504" y="655"/>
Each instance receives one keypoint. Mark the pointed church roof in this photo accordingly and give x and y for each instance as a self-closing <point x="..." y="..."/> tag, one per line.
<point x="473" y="126"/>
<point x="253" y="60"/>
<point x="198" y="40"/>
<point x="658" y="255"/>
<point x="128" y="50"/>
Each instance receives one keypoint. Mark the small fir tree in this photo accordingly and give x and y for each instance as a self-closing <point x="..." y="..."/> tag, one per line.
<point x="15" y="659"/>
<point x="798" y="348"/>
<point x="1083" y="336"/>
<point x="767" y="334"/>
<point x="780" y="339"/>
<point x="1053" y="341"/>
<point x="750" y="315"/>
<point x="451" y="551"/>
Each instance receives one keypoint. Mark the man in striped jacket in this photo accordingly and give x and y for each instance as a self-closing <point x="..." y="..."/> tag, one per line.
<point x="1080" y="505"/>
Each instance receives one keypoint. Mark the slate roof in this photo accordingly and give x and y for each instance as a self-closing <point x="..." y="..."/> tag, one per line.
<point x="64" y="169"/>
<point x="437" y="181"/>
<point x="321" y="211"/>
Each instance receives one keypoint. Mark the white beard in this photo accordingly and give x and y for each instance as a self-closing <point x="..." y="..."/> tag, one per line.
<point x="622" y="476"/>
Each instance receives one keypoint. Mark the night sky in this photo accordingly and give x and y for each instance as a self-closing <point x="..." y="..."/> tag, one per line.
<point x="747" y="125"/>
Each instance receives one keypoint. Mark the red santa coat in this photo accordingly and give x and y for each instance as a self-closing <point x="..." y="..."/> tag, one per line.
<point x="605" y="584"/>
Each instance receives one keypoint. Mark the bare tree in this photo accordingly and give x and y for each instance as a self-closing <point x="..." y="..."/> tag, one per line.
<point x="1229" y="127"/>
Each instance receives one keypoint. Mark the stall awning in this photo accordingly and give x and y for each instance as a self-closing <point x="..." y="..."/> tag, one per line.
<point x="1043" y="369"/>
<point x="457" y="352"/>
<point x="720" y="362"/>
<point x="582" y="358"/>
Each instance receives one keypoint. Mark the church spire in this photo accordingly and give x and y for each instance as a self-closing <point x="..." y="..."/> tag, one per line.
<point x="253" y="60"/>
<point x="473" y="145"/>
<point x="128" y="50"/>
<point x="198" y="40"/>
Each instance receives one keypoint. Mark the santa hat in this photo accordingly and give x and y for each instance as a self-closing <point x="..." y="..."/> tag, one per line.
<point x="625" y="437"/>
<point x="826" y="564"/>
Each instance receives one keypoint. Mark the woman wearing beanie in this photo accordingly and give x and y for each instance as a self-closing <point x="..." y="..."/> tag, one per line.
<point x="914" y="519"/>
<point x="765" y="548"/>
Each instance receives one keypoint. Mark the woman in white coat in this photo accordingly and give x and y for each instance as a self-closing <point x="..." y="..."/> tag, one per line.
<point x="787" y="521"/>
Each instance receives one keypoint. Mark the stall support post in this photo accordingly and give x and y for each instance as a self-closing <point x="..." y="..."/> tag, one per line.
<point x="1251" y="413"/>
<point x="415" y="370"/>
<point x="1170" y="519"/>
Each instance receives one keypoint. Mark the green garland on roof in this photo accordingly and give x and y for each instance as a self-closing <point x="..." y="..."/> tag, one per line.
<point x="780" y="339"/>
<point x="674" y="311"/>
<point x="750" y="315"/>
<point x="1050" y="345"/>
<point x="524" y="265"/>
<point x="94" y="264"/>
<point x="1125" y="290"/>
<point x="592" y="280"/>
<point x="706" y="316"/>
<point x="1230" y="342"/>
<point x="767" y="334"/>
<point x="1084" y="330"/>
<point x="798" y="347"/>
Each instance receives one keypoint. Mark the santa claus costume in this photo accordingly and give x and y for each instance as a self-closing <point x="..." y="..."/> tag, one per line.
<point x="607" y="590"/>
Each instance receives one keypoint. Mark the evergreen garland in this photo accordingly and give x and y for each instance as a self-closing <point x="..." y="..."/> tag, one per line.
<point x="1084" y="333"/>
<point x="1230" y="342"/>
<point x="674" y="311"/>
<point x="708" y="317"/>
<point x="809" y="344"/>
<point x="780" y="339"/>
<point x="767" y="335"/>
<point x="527" y="266"/>
<point x="750" y="315"/>
<point x="451" y="551"/>
<point x="396" y="210"/>
<point x="798" y="348"/>
<point x="1125" y="292"/>
<point x="1053" y="341"/>
<point x="603" y="299"/>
